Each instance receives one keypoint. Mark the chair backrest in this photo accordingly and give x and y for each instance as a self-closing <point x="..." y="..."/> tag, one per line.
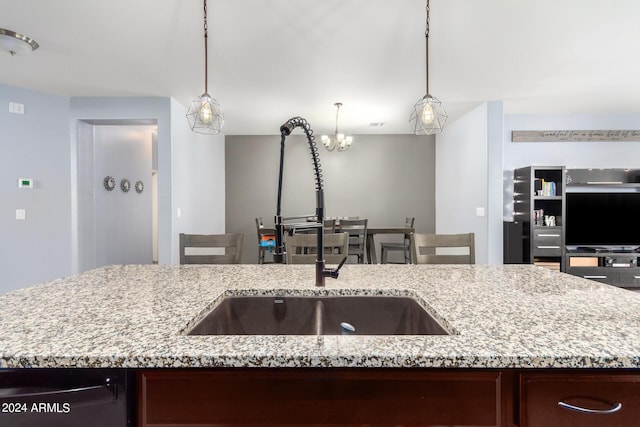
<point x="408" y="222"/>
<point x="357" y="229"/>
<point x="424" y="248"/>
<point x="230" y="243"/>
<point x="301" y="248"/>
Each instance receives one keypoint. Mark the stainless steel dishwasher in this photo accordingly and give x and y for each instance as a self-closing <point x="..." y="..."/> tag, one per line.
<point x="65" y="397"/>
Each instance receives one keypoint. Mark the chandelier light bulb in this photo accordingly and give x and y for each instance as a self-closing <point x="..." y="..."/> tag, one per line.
<point x="206" y="113"/>
<point x="427" y="114"/>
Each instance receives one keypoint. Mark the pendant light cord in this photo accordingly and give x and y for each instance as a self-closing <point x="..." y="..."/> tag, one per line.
<point x="426" y="36"/>
<point x="206" y="57"/>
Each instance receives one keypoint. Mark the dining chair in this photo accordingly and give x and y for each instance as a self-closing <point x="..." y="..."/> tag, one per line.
<point x="424" y="248"/>
<point x="329" y="225"/>
<point x="266" y="240"/>
<point x="301" y="248"/>
<point x="357" y="229"/>
<point x="210" y="248"/>
<point x="387" y="247"/>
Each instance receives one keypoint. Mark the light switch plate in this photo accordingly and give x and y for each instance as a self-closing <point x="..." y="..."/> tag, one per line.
<point x="16" y="108"/>
<point x="479" y="211"/>
<point x="21" y="214"/>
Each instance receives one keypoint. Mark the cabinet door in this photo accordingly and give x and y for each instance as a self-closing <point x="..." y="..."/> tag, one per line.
<point x="583" y="400"/>
<point x="319" y="397"/>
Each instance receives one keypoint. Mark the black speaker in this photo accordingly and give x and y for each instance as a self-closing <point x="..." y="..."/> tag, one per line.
<point x="512" y="243"/>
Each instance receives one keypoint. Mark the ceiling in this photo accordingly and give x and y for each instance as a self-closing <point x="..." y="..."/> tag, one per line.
<point x="270" y="60"/>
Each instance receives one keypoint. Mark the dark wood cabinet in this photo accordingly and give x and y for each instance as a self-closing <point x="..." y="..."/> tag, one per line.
<point x="337" y="397"/>
<point x="389" y="397"/>
<point x="576" y="399"/>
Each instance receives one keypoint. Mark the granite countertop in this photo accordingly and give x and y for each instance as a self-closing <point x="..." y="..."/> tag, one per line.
<point x="518" y="316"/>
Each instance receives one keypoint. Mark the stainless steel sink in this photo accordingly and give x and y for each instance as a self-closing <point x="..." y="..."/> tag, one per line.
<point x="339" y="315"/>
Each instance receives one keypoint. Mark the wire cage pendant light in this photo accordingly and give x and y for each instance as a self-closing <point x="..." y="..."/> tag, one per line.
<point x="428" y="115"/>
<point x="339" y="141"/>
<point x="205" y="115"/>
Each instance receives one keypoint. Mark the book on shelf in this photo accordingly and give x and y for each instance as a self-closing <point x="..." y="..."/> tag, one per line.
<point x="551" y="265"/>
<point x="545" y="188"/>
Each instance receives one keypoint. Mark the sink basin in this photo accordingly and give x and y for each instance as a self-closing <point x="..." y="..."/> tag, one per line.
<point x="339" y="315"/>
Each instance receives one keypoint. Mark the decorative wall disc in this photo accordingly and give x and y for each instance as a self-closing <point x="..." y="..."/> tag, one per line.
<point x="109" y="183"/>
<point x="125" y="185"/>
<point x="139" y="186"/>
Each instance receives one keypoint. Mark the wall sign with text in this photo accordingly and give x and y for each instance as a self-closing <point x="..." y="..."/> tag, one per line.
<point x="574" y="135"/>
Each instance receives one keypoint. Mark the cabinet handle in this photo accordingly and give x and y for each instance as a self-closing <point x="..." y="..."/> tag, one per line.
<point x="548" y="235"/>
<point x="594" y="277"/>
<point x="615" y="407"/>
<point x="548" y="247"/>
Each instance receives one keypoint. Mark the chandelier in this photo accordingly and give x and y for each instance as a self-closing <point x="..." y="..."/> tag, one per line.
<point x="339" y="141"/>
<point x="205" y="115"/>
<point x="428" y="115"/>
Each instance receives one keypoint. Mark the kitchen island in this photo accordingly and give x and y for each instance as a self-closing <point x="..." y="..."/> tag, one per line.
<point x="507" y="323"/>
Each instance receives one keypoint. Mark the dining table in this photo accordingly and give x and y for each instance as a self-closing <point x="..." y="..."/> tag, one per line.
<point x="372" y="231"/>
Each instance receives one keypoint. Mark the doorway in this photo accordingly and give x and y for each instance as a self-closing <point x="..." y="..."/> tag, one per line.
<point x="117" y="203"/>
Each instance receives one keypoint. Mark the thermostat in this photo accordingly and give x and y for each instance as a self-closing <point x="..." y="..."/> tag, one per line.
<point x="25" y="183"/>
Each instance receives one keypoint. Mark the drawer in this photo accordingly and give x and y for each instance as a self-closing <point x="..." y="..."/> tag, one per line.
<point x="597" y="399"/>
<point x="599" y="274"/>
<point x="629" y="277"/>
<point x="547" y="241"/>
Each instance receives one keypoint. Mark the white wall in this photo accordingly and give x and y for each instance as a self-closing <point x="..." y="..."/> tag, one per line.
<point x="198" y="180"/>
<point x="462" y="178"/>
<point x="123" y="219"/>
<point x="570" y="154"/>
<point x="125" y="110"/>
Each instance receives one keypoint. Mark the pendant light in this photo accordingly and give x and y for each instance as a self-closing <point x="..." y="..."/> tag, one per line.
<point x="428" y="115"/>
<point x="204" y="114"/>
<point x="339" y="141"/>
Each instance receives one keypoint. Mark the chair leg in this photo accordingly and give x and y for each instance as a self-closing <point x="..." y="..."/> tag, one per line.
<point x="383" y="256"/>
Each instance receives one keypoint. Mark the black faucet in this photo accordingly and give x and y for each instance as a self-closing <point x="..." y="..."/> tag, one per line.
<point x="279" y="254"/>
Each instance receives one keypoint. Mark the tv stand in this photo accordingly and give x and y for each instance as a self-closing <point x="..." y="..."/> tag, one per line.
<point x="618" y="267"/>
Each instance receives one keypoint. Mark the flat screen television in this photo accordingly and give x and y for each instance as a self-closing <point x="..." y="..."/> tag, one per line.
<point x="603" y="219"/>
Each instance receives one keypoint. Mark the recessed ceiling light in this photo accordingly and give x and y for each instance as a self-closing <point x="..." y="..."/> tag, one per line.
<point x="16" y="43"/>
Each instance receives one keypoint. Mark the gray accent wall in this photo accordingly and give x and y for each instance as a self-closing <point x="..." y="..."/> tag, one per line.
<point x="34" y="145"/>
<point x="382" y="177"/>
